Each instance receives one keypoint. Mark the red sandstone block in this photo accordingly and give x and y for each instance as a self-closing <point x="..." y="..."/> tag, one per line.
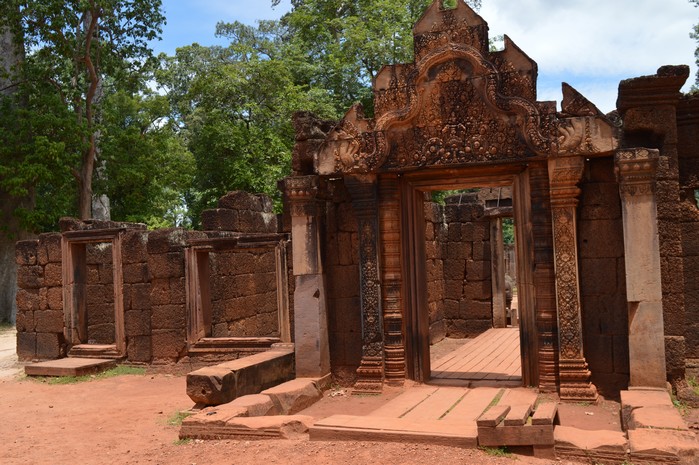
<point x="26" y="346"/>
<point x="134" y="247"/>
<point x="169" y="265"/>
<point x="55" y="298"/>
<point x="220" y="219"/>
<point x="50" y="245"/>
<point x="49" y="321"/>
<point x="136" y="273"/>
<point x="139" y="296"/>
<point x="171" y="240"/>
<point x="137" y="323"/>
<point x="25" y="322"/>
<point x="48" y="346"/>
<point x="241" y="200"/>
<point x="138" y="349"/>
<point x="26" y="253"/>
<point x="28" y="300"/>
<point x="160" y="292"/>
<point x="168" y="345"/>
<point x="53" y="275"/>
<point x="168" y="317"/>
<point x="476" y="310"/>
<point x="30" y="277"/>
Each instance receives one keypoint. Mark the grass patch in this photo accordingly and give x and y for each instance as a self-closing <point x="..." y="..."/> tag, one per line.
<point x="682" y="407"/>
<point x="120" y="370"/>
<point x="177" y="418"/>
<point x="694" y="384"/>
<point x="182" y="442"/>
<point x="497" y="451"/>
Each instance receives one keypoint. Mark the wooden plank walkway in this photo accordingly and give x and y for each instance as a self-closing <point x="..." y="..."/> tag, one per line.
<point x="492" y="356"/>
<point x="426" y="414"/>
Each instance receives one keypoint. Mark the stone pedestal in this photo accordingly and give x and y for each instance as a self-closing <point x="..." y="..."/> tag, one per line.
<point x="636" y="170"/>
<point x="574" y="376"/>
<point x="310" y="308"/>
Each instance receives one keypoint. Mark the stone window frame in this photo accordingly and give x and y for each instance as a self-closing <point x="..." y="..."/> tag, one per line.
<point x="73" y="251"/>
<point x="198" y="290"/>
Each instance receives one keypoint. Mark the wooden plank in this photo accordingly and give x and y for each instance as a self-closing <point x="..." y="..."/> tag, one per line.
<point x="493" y="416"/>
<point x="472" y="349"/>
<point x="496" y="346"/>
<point x="472" y="405"/>
<point x="404" y="402"/>
<point x="529" y="435"/>
<point x="545" y="413"/>
<point x="436" y="405"/>
<point x="487" y="348"/>
<point x="518" y="415"/>
<point x="480" y="368"/>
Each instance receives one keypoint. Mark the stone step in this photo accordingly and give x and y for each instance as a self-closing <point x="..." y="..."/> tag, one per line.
<point x="590" y="446"/>
<point x="224" y="382"/>
<point x="69" y="367"/>
<point x="99" y="351"/>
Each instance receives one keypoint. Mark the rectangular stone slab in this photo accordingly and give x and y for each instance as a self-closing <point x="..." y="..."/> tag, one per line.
<point x="493" y="416"/>
<point x="545" y="413"/>
<point x="222" y="383"/>
<point x="69" y="367"/>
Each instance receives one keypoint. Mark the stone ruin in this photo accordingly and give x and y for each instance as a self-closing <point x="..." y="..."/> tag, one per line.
<point x="362" y="271"/>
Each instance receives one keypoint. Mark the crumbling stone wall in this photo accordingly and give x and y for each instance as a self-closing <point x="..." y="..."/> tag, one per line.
<point x="688" y="151"/>
<point x="435" y="238"/>
<point x="40" y="298"/>
<point x="603" y="277"/>
<point x="468" y="289"/>
<point x="154" y="289"/>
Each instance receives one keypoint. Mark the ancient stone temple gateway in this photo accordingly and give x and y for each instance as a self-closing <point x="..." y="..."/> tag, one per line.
<point x="364" y="271"/>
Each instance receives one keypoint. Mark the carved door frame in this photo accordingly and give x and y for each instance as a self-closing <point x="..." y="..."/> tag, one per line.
<point x="416" y="322"/>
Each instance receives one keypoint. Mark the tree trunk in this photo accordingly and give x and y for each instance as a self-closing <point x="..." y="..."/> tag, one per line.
<point x="10" y="55"/>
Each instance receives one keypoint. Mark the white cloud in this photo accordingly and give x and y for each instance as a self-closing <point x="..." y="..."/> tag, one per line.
<point x="593" y="43"/>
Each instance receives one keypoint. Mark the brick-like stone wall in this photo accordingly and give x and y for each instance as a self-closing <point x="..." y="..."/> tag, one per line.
<point x="468" y="289"/>
<point x="40" y="299"/>
<point x="152" y="278"/>
<point x="341" y="260"/>
<point x="435" y="241"/>
<point x="603" y="277"/>
<point x="244" y="294"/>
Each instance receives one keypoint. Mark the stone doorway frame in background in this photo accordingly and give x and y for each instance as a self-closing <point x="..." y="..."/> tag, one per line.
<point x="198" y="292"/>
<point x="74" y="269"/>
<point x="416" y="323"/>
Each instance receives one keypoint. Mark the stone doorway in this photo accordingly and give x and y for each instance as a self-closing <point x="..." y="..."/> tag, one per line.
<point x="415" y="190"/>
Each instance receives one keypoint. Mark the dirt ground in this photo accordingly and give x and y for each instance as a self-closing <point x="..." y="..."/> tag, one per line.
<point x="125" y="420"/>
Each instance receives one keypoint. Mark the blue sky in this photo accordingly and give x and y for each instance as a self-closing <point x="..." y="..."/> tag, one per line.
<point x="590" y="44"/>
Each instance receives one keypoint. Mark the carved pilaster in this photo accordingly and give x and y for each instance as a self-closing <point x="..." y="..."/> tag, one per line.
<point x="574" y="376"/>
<point x="370" y="373"/>
<point x="543" y="277"/>
<point x="636" y="171"/>
<point x="301" y="192"/>
<point x="391" y="273"/>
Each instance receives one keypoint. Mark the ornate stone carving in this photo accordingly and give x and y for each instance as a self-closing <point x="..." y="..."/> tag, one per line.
<point x="370" y="373"/>
<point x="391" y="273"/>
<point x="564" y="175"/>
<point x="301" y="192"/>
<point x="635" y="170"/>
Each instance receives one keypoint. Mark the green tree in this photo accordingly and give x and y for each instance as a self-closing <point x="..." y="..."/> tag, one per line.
<point x="347" y="42"/>
<point x="76" y="48"/>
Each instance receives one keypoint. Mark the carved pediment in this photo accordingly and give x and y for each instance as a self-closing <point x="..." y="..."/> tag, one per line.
<point x="458" y="103"/>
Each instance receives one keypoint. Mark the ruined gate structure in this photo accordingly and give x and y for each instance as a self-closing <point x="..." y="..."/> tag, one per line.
<point x="604" y="207"/>
<point x="363" y="271"/>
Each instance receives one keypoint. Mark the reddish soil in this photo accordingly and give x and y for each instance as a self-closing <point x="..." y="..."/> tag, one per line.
<point x="124" y="420"/>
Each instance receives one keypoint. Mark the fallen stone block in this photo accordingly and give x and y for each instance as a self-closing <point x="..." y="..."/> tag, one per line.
<point x="599" y="446"/>
<point x="272" y="427"/>
<point x="222" y="383"/>
<point x="257" y="405"/>
<point x="215" y="416"/>
<point x="660" y="445"/>
<point x="293" y="396"/>
<point x="662" y="417"/>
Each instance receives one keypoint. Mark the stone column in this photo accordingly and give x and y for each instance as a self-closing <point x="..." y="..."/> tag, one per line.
<point x="391" y="274"/>
<point x="370" y="373"/>
<point x="636" y="169"/>
<point x="310" y="309"/>
<point x="574" y="376"/>
<point x="497" y="266"/>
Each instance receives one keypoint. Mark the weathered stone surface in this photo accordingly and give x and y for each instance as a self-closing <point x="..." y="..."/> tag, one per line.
<point x="655" y="445"/>
<point x="661" y="417"/>
<point x="591" y="441"/>
<point x="26" y="252"/>
<point x="256" y="405"/>
<point x="222" y="383"/>
<point x="279" y="426"/>
<point x="293" y="396"/>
